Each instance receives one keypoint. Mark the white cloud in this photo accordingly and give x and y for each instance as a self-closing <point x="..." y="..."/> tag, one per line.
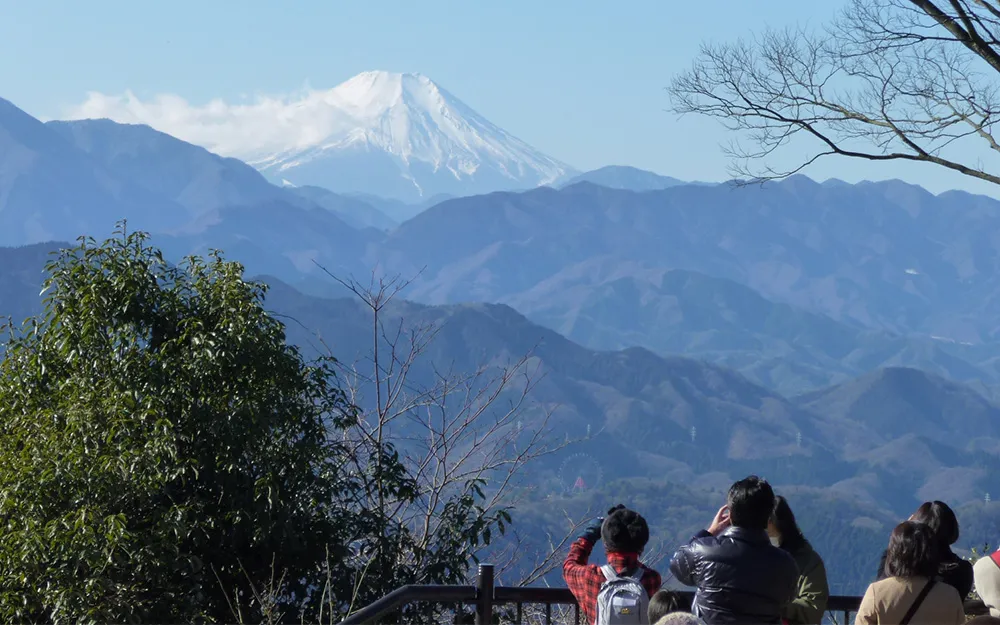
<point x="265" y="125"/>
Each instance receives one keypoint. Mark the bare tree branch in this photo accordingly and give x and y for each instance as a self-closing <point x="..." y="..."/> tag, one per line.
<point x="889" y="80"/>
<point x="457" y="432"/>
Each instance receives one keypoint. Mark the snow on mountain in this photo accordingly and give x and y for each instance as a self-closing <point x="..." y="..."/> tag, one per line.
<point x="403" y="136"/>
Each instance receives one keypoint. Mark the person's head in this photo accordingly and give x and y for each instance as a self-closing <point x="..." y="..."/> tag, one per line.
<point x="662" y="603"/>
<point x="679" y="618"/>
<point x="941" y="519"/>
<point x="624" y="531"/>
<point x="782" y="528"/>
<point x="751" y="502"/>
<point x="913" y="551"/>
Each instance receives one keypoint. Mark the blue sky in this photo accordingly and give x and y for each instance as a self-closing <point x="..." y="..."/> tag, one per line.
<point x="581" y="80"/>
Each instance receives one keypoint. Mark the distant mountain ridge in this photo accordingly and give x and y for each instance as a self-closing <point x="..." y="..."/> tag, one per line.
<point x="624" y="177"/>
<point x="666" y="424"/>
<point x="886" y="255"/>
<point x="51" y="190"/>
<point x="184" y="173"/>
<point x="643" y="408"/>
<point x="60" y="180"/>
<point x="883" y="267"/>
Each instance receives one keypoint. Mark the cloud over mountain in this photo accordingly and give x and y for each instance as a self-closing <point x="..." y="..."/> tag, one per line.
<point x="394" y="135"/>
<point x="264" y="124"/>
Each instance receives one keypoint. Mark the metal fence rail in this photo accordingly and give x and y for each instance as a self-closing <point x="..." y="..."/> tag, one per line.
<point x="511" y="601"/>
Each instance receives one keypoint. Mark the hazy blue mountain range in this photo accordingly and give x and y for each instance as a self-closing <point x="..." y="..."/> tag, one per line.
<point x="398" y="210"/>
<point x="624" y="177"/>
<point x="356" y="212"/>
<point x="886" y="255"/>
<point x="186" y="174"/>
<point x="873" y="432"/>
<point x="844" y="454"/>
<point x="607" y="304"/>
<point x="847" y="448"/>
<point x="797" y="285"/>
<point x="49" y="189"/>
<point x="21" y="278"/>
<point x="62" y="179"/>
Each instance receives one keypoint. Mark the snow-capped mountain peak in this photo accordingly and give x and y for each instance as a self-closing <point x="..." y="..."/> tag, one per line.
<point x="402" y="135"/>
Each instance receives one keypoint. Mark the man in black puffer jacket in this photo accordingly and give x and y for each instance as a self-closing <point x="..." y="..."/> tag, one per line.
<point x="741" y="578"/>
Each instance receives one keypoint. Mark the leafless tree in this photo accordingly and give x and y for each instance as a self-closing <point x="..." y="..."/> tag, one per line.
<point x="888" y="80"/>
<point x="464" y="438"/>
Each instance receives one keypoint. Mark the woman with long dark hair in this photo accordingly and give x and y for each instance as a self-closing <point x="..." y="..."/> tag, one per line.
<point x="813" y="590"/>
<point x="909" y="594"/>
<point x="943" y="523"/>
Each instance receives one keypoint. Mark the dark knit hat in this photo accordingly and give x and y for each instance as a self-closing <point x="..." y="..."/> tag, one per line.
<point x="624" y="531"/>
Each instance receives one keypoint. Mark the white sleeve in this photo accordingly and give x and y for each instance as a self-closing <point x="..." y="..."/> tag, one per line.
<point x="987" y="578"/>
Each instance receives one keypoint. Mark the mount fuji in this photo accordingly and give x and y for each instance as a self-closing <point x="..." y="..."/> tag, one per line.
<point x="402" y="136"/>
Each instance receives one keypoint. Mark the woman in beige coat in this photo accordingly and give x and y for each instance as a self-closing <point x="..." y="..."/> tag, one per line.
<point x="910" y="595"/>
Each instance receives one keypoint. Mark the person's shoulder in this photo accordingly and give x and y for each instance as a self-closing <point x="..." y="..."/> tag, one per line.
<point x="779" y="554"/>
<point x="888" y="585"/>
<point x="986" y="563"/>
<point x="702" y="543"/>
<point x="808" y="558"/>
<point x="790" y="564"/>
<point x="946" y="592"/>
<point x="649" y="572"/>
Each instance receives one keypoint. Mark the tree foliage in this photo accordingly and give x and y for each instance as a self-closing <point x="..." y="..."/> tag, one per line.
<point x="164" y="455"/>
<point x="889" y="80"/>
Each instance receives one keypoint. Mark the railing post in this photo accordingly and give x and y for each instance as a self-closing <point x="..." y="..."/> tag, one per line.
<point x="484" y="595"/>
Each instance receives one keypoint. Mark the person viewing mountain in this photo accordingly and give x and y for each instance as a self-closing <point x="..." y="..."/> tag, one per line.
<point x="910" y="593"/>
<point x="813" y="590"/>
<point x="618" y="592"/>
<point x="943" y="523"/>
<point x="740" y="576"/>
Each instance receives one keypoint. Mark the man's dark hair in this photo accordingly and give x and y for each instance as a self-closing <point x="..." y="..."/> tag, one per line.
<point x="624" y="531"/>
<point x="662" y="603"/>
<point x="941" y="519"/>
<point x="913" y="551"/>
<point x="751" y="502"/>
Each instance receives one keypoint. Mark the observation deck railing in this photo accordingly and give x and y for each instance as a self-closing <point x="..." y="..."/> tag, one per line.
<point x="489" y="601"/>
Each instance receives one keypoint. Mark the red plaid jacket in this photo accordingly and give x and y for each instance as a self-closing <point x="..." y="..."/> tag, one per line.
<point x="584" y="580"/>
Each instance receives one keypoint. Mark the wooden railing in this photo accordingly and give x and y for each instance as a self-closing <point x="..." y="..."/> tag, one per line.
<point x="488" y="599"/>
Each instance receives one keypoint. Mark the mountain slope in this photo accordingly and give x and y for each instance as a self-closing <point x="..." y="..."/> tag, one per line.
<point x="196" y="178"/>
<point x="356" y="212"/>
<point x="50" y="190"/>
<point x="276" y="237"/>
<point x="605" y="304"/>
<point x="21" y="277"/>
<point x="888" y="255"/>
<point x="632" y="400"/>
<point x="895" y="402"/>
<point x="624" y="177"/>
<point x="186" y="174"/>
<point x="402" y="136"/>
<point x="889" y="437"/>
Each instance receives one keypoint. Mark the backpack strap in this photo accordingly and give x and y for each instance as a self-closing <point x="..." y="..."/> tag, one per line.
<point x="609" y="572"/>
<point x="639" y="573"/>
<point x="916" y="603"/>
